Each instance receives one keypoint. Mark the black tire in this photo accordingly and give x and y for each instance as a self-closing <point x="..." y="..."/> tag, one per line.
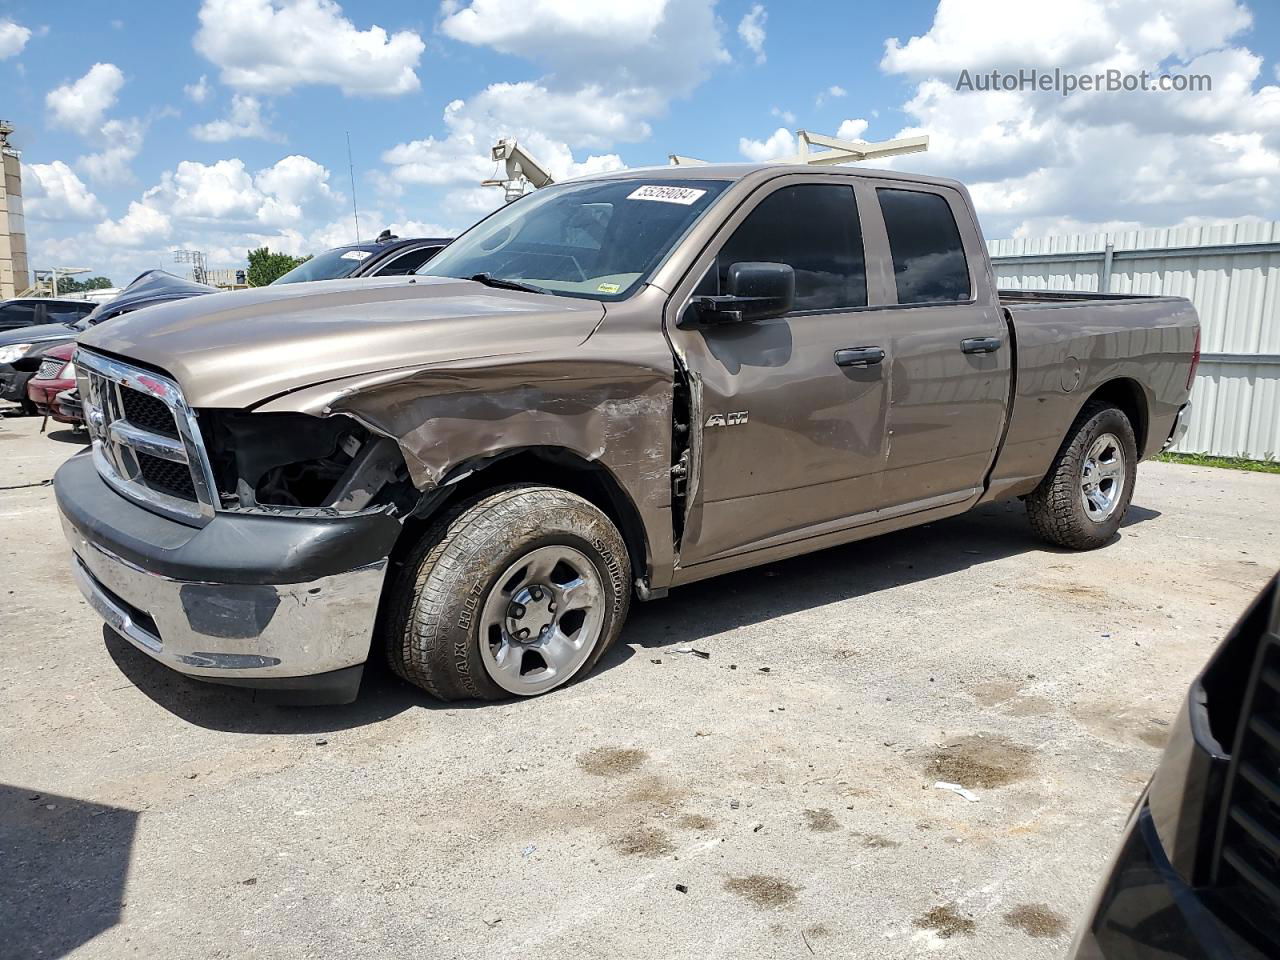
<point x="1056" y="507"/>
<point x="433" y="625"/>
<point x="29" y="409"/>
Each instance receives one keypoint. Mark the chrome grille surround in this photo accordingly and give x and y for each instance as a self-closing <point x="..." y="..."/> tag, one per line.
<point x="117" y="442"/>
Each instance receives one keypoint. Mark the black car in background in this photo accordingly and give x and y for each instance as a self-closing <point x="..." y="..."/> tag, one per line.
<point x="1198" y="871"/>
<point x="21" y="348"/>
<point x="387" y="256"/>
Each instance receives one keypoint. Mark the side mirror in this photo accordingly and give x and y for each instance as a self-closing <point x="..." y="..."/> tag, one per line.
<point x="756" y="291"/>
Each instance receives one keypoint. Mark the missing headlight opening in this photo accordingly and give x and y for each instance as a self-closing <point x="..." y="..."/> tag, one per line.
<point x="292" y="461"/>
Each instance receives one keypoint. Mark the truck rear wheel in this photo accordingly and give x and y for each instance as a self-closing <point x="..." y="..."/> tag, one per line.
<point x="513" y="594"/>
<point x="1081" y="501"/>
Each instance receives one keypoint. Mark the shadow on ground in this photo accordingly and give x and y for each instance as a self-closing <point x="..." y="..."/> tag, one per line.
<point x="690" y="614"/>
<point x="63" y="876"/>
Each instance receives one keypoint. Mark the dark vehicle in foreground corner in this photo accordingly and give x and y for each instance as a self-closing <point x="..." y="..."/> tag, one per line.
<point x="1198" y="871"/>
<point x="617" y="384"/>
<point x="387" y="256"/>
<point x="22" y="350"/>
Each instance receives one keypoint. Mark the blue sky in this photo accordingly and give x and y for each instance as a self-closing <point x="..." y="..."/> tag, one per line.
<point x="221" y="124"/>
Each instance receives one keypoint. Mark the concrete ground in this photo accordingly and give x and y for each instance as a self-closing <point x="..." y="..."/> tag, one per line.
<point x="775" y="800"/>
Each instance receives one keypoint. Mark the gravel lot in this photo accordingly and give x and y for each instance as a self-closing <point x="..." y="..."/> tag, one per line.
<point x="775" y="800"/>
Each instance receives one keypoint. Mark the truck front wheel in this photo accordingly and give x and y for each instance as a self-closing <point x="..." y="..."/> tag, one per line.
<point x="512" y="594"/>
<point x="1081" y="501"/>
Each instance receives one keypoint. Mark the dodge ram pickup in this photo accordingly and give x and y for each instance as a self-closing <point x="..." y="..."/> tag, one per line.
<point x="612" y="386"/>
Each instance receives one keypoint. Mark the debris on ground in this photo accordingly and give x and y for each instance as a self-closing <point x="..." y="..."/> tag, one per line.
<point x="733" y="804"/>
<point x="957" y="789"/>
<point x="764" y="669"/>
<point x="946" y="922"/>
<point x="1037" y="920"/>
<point x="765" y="892"/>
<point x="681" y="888"/>
<point x="528" y="851"/>
<point x="320" y="742"/>
<point x="704" y="654"/>
<point x="491" y="920"/>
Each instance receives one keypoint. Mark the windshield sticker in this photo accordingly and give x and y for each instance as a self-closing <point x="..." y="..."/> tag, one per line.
<point x="356" y="255"/>
<point x="681" y="195"/>
<point x="608" y="288"/>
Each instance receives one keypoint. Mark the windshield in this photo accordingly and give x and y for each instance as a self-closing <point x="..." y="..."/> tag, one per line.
<point x="330" y="265"/>
<point x="598" y="239"/>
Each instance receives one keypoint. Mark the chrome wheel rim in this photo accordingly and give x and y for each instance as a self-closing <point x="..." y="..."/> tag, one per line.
<point x="1102" y="477"/>
<point x="541" y="620"/>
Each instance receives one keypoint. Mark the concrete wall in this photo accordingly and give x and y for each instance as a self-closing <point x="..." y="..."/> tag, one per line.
<point x="14" y="274"/>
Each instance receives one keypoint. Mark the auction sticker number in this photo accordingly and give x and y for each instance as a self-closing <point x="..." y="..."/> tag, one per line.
<point x="681" y="195"/>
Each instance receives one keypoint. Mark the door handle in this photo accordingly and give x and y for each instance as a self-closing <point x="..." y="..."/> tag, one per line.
<point x="980" y="345"/>
<point x="859" y="356"/>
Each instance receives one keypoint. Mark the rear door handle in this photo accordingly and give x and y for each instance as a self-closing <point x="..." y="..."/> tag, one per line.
<point x="980" y="345"/>
<point x="859" y="356"/>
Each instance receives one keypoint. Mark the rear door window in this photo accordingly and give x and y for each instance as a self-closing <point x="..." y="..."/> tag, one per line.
<point x="814" y="229"/>
<point x="929" y="265"/>
<point x="21" y="313"/>
<point x="407" y="263"/>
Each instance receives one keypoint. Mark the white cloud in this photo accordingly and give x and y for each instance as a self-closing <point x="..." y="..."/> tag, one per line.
<point x="656" y="49"/>
<point x="243" y="120"/>
<point x="79" y="106"/>
<point x="122" y="141"/>
<point x="13" y="37"/>
<point x="140" y="226"/>
<point x="786" y="116"/>
<point x="751" y="30"/>
<point x="833" y="92"/>
<point x="780" y="144"/>
<point x="852" y="129"/>
<point x="1037" y="161"/>
<point x="273" y="46"/>
<point x="200" y="91"/>
<point x="54" y="192"/>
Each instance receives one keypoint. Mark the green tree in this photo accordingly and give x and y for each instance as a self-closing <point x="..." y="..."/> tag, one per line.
<point x="72" y="285"/>
<point x="265" y="266"/>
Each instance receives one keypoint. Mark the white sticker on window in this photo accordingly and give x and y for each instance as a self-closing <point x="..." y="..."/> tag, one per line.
<point x="680" y="195"/>
<point x="356" y="255"/>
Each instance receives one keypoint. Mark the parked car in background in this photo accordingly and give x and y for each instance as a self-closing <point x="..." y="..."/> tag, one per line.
<point x="1197" y="874"/>
<point x="52" y="385"/>
<point x="388" y="256"/>
<point x="623" y="383"/>
<point x="25" y="322"/>
<point x="25" y="312"/>
<point x="22" y="348"/>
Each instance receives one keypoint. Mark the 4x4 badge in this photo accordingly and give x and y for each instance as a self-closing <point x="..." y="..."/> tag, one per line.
<point x="727" y="419"/>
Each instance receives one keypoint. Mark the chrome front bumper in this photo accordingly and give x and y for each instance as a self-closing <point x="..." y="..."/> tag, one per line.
<point x="232" y="631"/>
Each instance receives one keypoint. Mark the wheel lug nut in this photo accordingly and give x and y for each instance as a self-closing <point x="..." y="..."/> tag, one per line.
<point x="535" y="593"/>
<point x="551" y="607"/>
<point x="517" y="611"/>
<point x="524" y="633"/>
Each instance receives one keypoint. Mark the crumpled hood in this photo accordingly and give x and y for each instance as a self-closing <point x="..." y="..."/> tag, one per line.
<point x="237" y="349"/>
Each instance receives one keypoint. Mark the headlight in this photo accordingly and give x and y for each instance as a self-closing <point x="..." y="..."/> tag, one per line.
<point x="68" y="372"/>
<point x="13" y="352"/>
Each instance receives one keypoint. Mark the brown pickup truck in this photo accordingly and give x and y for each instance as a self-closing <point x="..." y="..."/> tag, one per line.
<point x="614" y="385"/>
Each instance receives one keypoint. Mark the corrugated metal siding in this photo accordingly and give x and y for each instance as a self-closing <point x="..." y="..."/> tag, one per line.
<point x="1235" y="291"/>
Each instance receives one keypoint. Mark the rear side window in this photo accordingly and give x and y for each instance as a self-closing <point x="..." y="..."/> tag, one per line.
<point x="814" y="228"/>
<point x="407" y="263"/>
<point x="19" y="314"/>
<point x="928" y="258"/>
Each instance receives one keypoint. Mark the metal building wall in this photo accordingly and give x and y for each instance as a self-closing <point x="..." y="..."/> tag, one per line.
<point x="1230" y="271"/>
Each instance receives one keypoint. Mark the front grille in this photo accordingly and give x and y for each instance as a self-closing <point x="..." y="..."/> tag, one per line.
<point x="143" y="442"/>
<point x="147" y="412"/>
<point x="1247" y="878"/>
<point x="167" y="476"/>
<point x="49" y="368"/>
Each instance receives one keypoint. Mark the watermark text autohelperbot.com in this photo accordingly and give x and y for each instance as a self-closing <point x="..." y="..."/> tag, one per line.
<point x="1066" y="83"/>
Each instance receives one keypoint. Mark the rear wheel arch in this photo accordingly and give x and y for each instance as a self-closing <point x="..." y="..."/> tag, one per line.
<point x="1129" y="396"/>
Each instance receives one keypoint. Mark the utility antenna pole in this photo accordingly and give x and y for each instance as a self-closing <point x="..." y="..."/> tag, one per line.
<point x="351" y="168"/>
<point x="199" y="270"/>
